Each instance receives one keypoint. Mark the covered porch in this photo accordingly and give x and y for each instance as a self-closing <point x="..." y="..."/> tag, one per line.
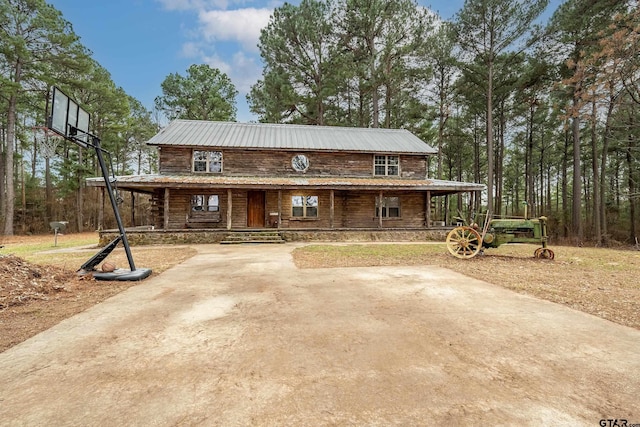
<point x="237" y="203"/>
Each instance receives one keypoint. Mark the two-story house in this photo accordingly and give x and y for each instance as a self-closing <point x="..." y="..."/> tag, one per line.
<point x="234" y="176"/>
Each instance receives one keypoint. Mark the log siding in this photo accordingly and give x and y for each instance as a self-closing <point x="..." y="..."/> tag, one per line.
<point x="179" y="160"/>
<point x="350" y="210"/>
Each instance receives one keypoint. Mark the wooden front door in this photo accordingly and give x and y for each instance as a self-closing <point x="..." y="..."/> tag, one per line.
<point x="255" y="209"/>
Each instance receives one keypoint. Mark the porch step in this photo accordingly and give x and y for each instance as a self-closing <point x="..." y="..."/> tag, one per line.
<point x="252" y="237"/>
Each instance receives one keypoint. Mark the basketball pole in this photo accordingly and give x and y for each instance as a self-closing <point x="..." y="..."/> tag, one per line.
<point x="114" y="203"/>
<point x="95" y="144"/>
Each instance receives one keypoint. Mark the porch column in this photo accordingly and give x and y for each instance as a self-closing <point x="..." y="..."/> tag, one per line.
<point x="166" y="208"/>
<point x="101" y="208"/>
<point x="446" y="209"/>
<point x="229" y="208"/>
<point x="279" y="208"/>
<point x="380" y="200"/>
<point x="427" y="209"/>
<point x="331" y="208"/>
<point x="133" y="209"/>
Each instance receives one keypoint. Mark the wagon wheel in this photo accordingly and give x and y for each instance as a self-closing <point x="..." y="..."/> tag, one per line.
<point x="464" y="242"/>
<point x="544" y="253"/>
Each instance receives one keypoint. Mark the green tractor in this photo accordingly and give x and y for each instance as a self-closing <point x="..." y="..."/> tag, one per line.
<point x="468" y="241"/>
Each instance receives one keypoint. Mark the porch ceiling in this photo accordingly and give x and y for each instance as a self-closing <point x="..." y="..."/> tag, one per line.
<point x="147" y="183"/>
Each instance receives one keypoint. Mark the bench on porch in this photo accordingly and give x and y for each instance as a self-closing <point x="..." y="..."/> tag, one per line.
<point x="202" y="219"/>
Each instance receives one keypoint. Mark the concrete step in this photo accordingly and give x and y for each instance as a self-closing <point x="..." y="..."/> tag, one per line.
<point x="253" y="237"/>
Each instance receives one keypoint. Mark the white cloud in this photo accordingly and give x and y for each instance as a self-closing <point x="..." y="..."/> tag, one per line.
<point x="193" y="4"/>
<point x="191" y="50"/>
<point x="243" y="70"/>
<point x="241" y="25"/>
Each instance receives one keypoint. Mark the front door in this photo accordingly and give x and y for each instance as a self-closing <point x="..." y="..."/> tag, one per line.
<point x="255" y="209"/>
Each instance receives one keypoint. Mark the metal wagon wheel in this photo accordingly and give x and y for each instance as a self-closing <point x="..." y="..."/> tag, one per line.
<point x="464" y="242"/>
<point x="544" y="253"/>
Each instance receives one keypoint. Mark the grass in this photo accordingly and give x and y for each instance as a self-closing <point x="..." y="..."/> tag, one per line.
<point x="73" y="250"/>
<point x="24" y="246"/>
<point x="615" y="259"/>
<point x="41" y="249"/>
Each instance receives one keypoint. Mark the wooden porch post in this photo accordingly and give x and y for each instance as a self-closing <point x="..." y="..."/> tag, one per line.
<point x="331" y="207"/>
<point x="166" y="208"/>
<point x="133" y="209"/>
<point x="101" y="208"/>
<point x="427" y="210"/>
<point x="229" y="209"/>
<point x="380" y="210"/>
<point x="446" y="210"/>
<point x="279" y="208"/>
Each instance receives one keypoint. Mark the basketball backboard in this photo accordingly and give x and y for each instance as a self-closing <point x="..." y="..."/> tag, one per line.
<point x="67" y="118"/>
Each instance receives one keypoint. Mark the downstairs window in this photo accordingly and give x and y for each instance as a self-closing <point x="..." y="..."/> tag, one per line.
<point x="390" y="207"/>
<point x="304" y="206"/>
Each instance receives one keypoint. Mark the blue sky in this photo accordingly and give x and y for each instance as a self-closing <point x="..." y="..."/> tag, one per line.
<point x="140" y="42"/>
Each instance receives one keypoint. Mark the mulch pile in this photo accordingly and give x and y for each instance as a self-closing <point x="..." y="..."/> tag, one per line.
<point x="21" y="281"/>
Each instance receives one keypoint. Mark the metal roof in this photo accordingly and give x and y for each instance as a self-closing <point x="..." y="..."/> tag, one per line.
<point x="289" y="137"/>
<point x="149" y="182"/>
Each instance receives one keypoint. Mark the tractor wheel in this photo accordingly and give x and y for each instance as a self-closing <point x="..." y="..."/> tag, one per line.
<point x="544" y="253"/>
<point x="464" y="242"/>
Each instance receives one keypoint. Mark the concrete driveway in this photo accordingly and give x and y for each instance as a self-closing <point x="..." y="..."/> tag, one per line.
<point x="238" y="336"/>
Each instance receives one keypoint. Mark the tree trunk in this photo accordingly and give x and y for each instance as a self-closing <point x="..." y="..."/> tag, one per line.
<point x="47" y="190"/>
<point x="576" y="217"/>
<point x="8" y="169"/>
<point x="442" y="120"/>
<point x="476" y="157"/>
<point x="633" y="197"/>
<point x="23" y="195"/>
<point x="3" y="194"/>
<point x="499" y="161"/>
<point x="528" y="189"/>
<point x="565" y="187"/>
<point x="490" y="136"/>
<point x="80" y="194"/>
<point x="596" y="176"/>
<point x="603" y="170"/>
<point x="375" y="107"/>
<point x="35" y="155"/>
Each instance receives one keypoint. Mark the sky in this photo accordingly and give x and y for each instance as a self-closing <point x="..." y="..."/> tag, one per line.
<point x="141" y="42"/>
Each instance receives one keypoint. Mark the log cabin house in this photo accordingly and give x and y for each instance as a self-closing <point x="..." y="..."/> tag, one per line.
<point x="249" y="176"/>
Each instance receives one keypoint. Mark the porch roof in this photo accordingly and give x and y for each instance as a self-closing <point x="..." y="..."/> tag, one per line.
<point x="147" y="183"/>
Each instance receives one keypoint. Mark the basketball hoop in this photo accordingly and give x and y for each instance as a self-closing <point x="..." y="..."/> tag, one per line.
<point x="47" y="139"/>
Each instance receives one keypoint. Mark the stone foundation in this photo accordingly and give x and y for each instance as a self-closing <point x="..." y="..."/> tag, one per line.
<point x="179" y="237"/>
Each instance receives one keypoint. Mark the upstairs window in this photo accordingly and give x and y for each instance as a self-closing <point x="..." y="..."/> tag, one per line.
<point x="390" y="207"/>
<point x="304" y="206"/>
<point x="205" y="203"/>
<point x="207" y="161"/>
<point x="386" y="166"/>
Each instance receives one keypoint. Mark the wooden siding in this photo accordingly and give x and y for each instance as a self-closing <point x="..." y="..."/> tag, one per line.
<point x="175" y="160"/>
<point x="359" y="211"/>
<point x="351" y="210"/>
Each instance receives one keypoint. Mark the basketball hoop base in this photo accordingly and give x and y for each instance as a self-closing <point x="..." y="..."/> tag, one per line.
<point x="123" y="275"/>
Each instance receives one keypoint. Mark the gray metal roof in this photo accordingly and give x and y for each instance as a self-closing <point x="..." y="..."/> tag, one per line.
<point x="198" y="133"/>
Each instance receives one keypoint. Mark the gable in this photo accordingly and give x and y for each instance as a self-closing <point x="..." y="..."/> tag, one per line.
<point x="196" y="133"/>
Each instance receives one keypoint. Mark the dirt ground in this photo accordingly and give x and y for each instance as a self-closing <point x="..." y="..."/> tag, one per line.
<point x="34" y="297"/>
<point x="240" y="336"/>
